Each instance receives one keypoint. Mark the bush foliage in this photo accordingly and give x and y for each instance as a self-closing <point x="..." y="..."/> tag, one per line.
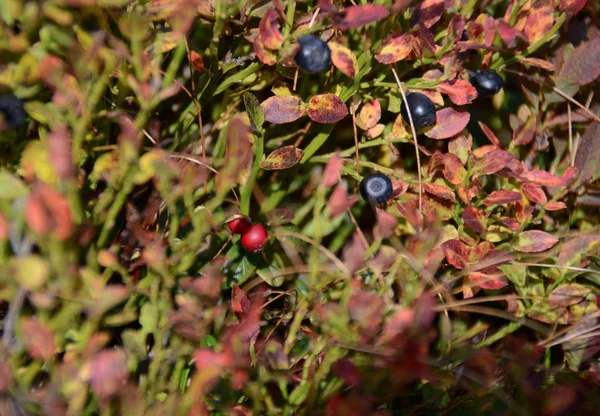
<point x="151" y="124"/>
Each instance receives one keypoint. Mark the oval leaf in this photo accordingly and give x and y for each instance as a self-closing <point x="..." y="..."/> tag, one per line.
<point x="343" y="59"/>
<point x="534" y="241"/>
<point x="283" y="158"/>
<point x="583" y="64"/>
<point x="326" y="108"/>
<point x="357" y="16"/>
<point x="501" y="197"/>
<point x="460" y="92"/>
<point x="568" y="294"/>
<point x="449" y="122"/>
<point x="268" y="30"/>
<point x="281" y="110"/>
<point x="369" y="115"/>
<point x="395" y="48"/>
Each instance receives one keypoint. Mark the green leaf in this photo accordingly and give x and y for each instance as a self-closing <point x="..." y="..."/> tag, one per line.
<point x="10" y="186"/>
<point x="255" y="112"/>
<point x="516" y="274"/>
<point x="30" y="272"/>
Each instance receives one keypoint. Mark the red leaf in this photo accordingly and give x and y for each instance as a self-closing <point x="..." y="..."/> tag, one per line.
<point x="196" y="61"/>
<point x="555" y="206"/>
<point x="508" y="33"/>
<point x="353" y="17"/>
<point x="524" y="134"/>
<point x="347" y="371"/>
<point x="452" y="167"/>
<point x="338" y="201"/>
<point x="343" y="59"/>
<point x="461" y="147"/>
<point x="430" y="12"/>
<point x="583" y="64"/>
<point x="38" y="339"/>
<point x="489" y="134"/>
<point x="510" y="223"/>
<point x="268" y="30"/>
<point x="263" y="55"/>
<point x="280" y="110"/>
<point x="394" y="48"/>
<point x="240" y="303"/>
<point x="573" y="248"/>
<point x="439" y="191"/>
<point x="588" y="154"/>
<point x="48" y="212"/>
<point x="283" y="158"/>
<point x="331" y="175"/>
<point x="568" y="294"/>
<point x="460" y="92"/>
<point x="449" y="122"/>
<point x="572" y="7"/>
<point x="456" y="253"/>
<point x="386" y="223"/>
<point x="59" y="145"/>
<point x="488" y="280"/>
<point x="4" y="227"/>
<point x="501" y="197"/>
<point x="538" y="63"/>
<point x="523" y="211"/>
<point x="534" y="193"/>
<point x="108" y="371"/>
<point x="492" y="162"/>
<point x="326" y="108"/>
<point x="474" y="219"/>
<point x="399" y="188"/>
<point x="354" y="253"/>
<point x="542" y="178"/>
<point x="540" y="20"/>
<point x="534" y="241"/>
<point x="369" y="114"/>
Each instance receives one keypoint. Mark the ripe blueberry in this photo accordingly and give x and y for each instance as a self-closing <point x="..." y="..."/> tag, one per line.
<point x="255" y="238"/>
<point x="421" y="109"/>
<point x="376" y="188"/>
<point x="314" y="54"/>
<point x="487" y="83"/>
<point x="12" y="112"/>
<point x="239" y="225"/>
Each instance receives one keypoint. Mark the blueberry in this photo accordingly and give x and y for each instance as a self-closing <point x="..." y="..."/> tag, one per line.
<point x="487" y="83"/>
<point x="421" y="109"/>
<point x="376" y="188"/>
<point x="314" y="54"/>
<point x="12" y="112"/>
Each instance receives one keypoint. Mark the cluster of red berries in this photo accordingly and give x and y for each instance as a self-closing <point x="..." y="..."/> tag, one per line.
<point x="254" y="236"/>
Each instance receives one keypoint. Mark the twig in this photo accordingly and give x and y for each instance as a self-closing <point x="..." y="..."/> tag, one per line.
<point x="353" y="111"/>
<point x="414" y="133"/>
<point x="571" y="150"/>
<point x="14" y="309"/>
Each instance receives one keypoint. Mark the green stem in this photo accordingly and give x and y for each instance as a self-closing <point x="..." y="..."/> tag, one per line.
<point x="249" y="185"/>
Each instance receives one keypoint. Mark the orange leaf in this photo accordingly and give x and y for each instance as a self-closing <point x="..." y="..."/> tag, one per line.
<point x="542" y="178"/>
<point x="268" y="30"/>
<point x="343" y="59"/>
<point x="456" y="253"/>
<point x="357" y="16"/>
<point x="48" y="212"/>
<point x="280" y="110"/>
<point x="572" y="6"/>
<point x="489" y="134"/>
<point x="460" y="92"/>
<point x="501" y="198"/>
<point x="395" y="48"/>
<point x="439" y="191"/>
<point x="540" y="20"/>
<point x="490" y="281"/>
<point x="430" y="12"/>
<point x="283" y="158"/>
<point x="38" y="338"/>
<point x="555" y="206"/>
<point x="492" y="162"/>
<point x="263" y="55"/>
<point x="326" y="108"/>
<point x="449" y="122"/>
<point x="534" y="193"/>
<point x="538" y="63"/>
<point x="474" y="219"/>
<point x="196" y="61"/>
<point x="369" y="115"/>
<point x="534" y="241"/>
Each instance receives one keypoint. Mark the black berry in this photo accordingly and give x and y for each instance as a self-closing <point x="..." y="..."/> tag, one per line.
<point x="487" y="83"/>
<point x="314" y="54"/>
<point x="12" y="112"/>
<point x="376" y="188"/>
<point x="421" y="109"/>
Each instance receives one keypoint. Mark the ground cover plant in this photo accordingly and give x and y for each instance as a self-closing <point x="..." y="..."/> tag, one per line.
<point x="240" y="207"/>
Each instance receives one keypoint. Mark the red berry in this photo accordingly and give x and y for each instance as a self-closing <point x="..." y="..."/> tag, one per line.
<point x="239" y="225"/>
<point x="255" y="238"/>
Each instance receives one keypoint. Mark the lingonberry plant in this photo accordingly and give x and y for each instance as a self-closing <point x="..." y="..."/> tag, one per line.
<point x="219" y="207"/>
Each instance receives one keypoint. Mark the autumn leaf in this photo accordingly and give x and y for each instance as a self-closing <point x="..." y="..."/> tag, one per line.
<point x="538" y="63"/>
<point x="452" y="167"/>
<point x="430" y="12"/>
<point x="588" y="154"/>
<point x="38" y="338"/>
<point x="491" y="281"/>
<point x="353" y="17"/>
<point x="196" y="61"/>
<point x="369" y="115"/>
<point x="386" y="223"/>
<point x="582" y="66"/>
<point x="489" y="134"/>
<point x="332" y="171"/>
<point x="456" y="253"/>
<point x="240" y="303"/>
<point x="555" y="206"/>
<point x="534" y="241"/>
<point x="354" y="253"/>
<point x="394" y="48"/>
<point x="509" y="34"/>
<point x="339" y="201"/>
<point x="572" y="250"/>
<point x="568" y="294"/>
<point x="501" y="197"/>
<point x="282" y="158"/>
<point x="474" y="219"/>
<point x="439" y="191"/>
<point x="108" y="371"/>
<point x="49" y="212"/>
<point x="534" y="193"/>
<point x="540" y="20"/>
<point x="460" y="92"/>
<point x="343" y="59"/>
<point x="492" y="162"/>
<point x="268" y="30"/>
<point x="281" y="110"/>
<point x="572" y="6"/>
<point x="449" y="122"/>
<point x="542" y="178"/>
<point x="326" y="108"/>
<point x="238" y="152"/>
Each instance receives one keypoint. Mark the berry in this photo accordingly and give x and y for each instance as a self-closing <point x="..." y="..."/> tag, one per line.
<point x="487" y="83"/>
<point x="376" y="188"/>
<point x="239" y="225"/>
<point x="12" y="112"/>
<point x="314" y="54"/>
<point x="255" y="238"/>
<point x="422" y="110"/>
